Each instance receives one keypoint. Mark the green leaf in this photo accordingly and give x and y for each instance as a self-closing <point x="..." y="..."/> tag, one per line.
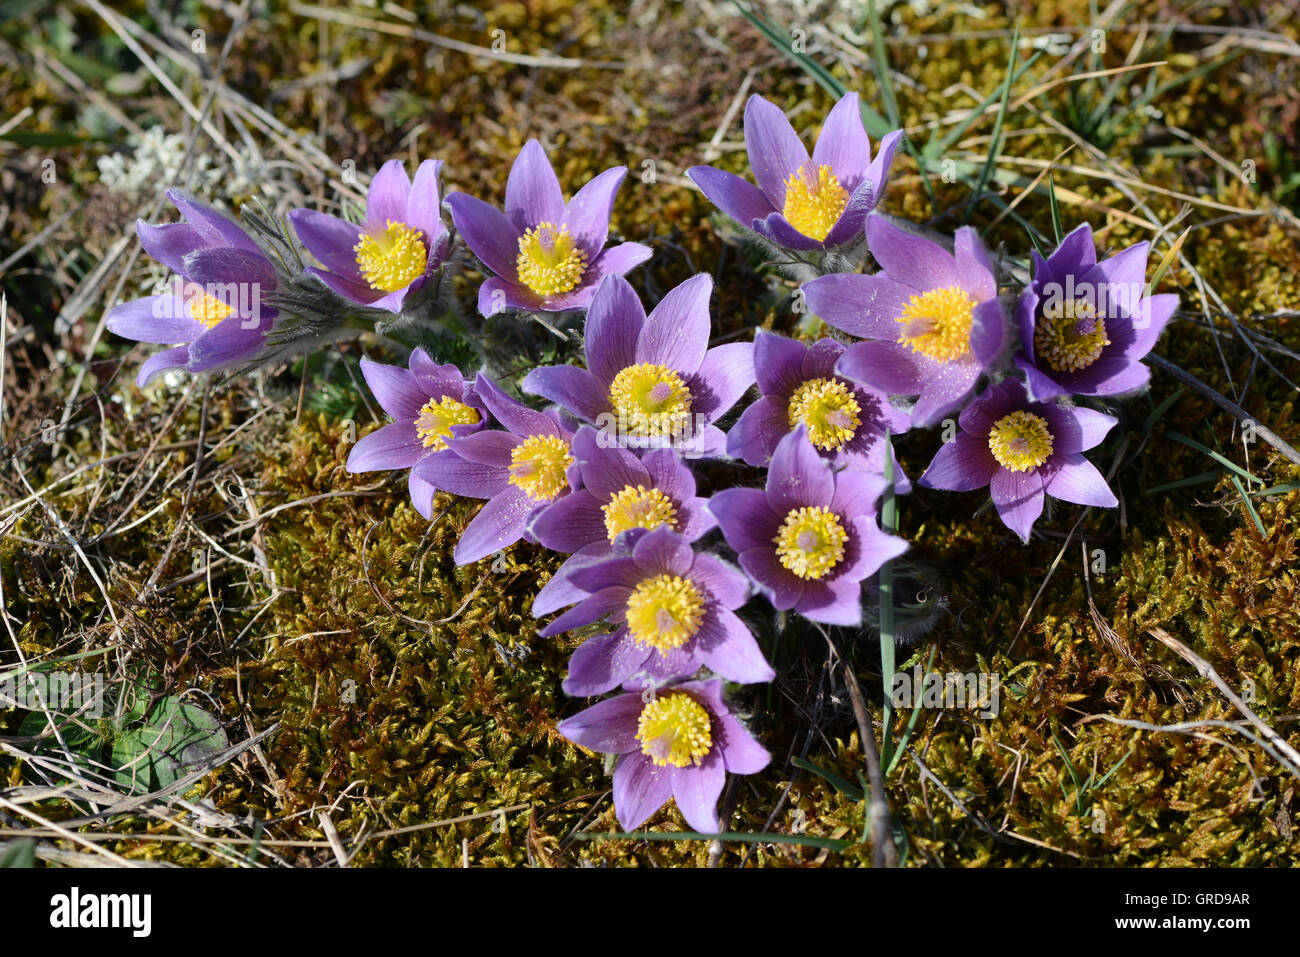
<point x="175" y="738"/>
<point x="850" y="791"/>
<point x="19" y="854"/>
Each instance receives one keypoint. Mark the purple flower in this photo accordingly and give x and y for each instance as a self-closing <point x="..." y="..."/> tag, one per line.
<point x="430" y="404"/>
<point x="215" y="305"/>
<point x="803" y="203"/>
<point x="678" y="742"/>
<point x="1023" y="450"/>
<point x="519" y="471"/>
<point x="846" y="421"/>
<point x="548" y="255"/>
<point x="936" y="317"/>
<point x="675" y="614"/>
<point x="811" y="536"/>
<point x="620" y="493"/>
<point x="652" y="380"/>
<point x="1084" y="325"/>
<point x="390" y="256"/>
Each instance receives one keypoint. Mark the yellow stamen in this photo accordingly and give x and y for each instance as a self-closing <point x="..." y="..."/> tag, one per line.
<point x="811" y="541"/>
<point x="829" y="410"/>
<point x="937" y="323"/>
<point x="393" y="259"/>
<point x="1070" y="336"/>
<point x="650" y="400"/>
<point x="435" y="420"/>
<point x="675" y="729"/>
<point x="538" y="465"/>
<point x="665" y="612"/>
<point x="814" y="205"/>
<point x="1020" y="441"/>
<point x="637" y="507"/>
<point x="550" y="261"/>
<point x="208" y="310"/>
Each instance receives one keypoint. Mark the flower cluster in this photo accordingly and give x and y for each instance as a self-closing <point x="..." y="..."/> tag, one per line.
<point x="609" y="473"/>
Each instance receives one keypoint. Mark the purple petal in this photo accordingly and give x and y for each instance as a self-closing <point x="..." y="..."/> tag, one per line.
<point x="842" y="144"/>
<point x="171" y="243"/>
<point x="449" y="472"/>
<point x="616" y="261"/>
<point x="856" y="493"/>
<point x="663" y="551"/>
<point x="500" y="522"/>
<point x="423" y="207"/>
<point x="760" y="427"/>
<point x="973" y="265"/>
<point x="962" y="465"/>
<point x="228" y="343"/>
<point x="669" y="474"/>
<point x="1151" y="318"/>
<point x="386" y="200"/>
<point x="696" y="790"/>
<point x="606" y="603"/>
<point x="330" y="239"/>
<point x="421" y="493"/>
<point x="782" y="588"/>
<point x="728" y="586"/>
<point x="514" y="415"/>
<point x="745" y="517"/>
<point x="1039" y="385"/>
<point x="728" y="647"/>
<point x="864" y="306"/>
<point x="347" y="288"/>
<point x="740" y="752"/>
<point x="1116" y="376"/>
<point x="162" y="319"/>
<point x="559" y="590"/>
<point x="676" y="333"/>
<point x="487" y="232"/>
<point x="160" y="362"/>
<point x="216" y="228"/>
<point x="603" y="662"/>
<point x="835" y="601"/>
<point x="608" y="726"/>
<point x="909" y="258"/>
<point x="395" y="446"/>
<point x="738" y="198"/>
<point x="571" y="387"/>
<point x="798" y="476"/>
<point x="1077" y="480"/>
<point x="587" y="214"/>
<point x="1019" y="499"/>
<point x="887" y="366"/>
<point x="947" y="385"/>
<point x="987" y="328"/>
<point x="397" y="390"/>
<point x="775" y="152"/>
<point x="614" y="322"/>
<point x="640" y="789"/>
<point x="778" y="363"/>
<point x="570" y="522"/>
<point x="878" y="171"/>
<point x="725" y="374"/>
<point x="533" y="193"/>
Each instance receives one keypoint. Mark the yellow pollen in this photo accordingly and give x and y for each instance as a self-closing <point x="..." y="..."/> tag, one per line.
<point x="393" y="259"/>
<point x="1070" y="337"/>
<point x="937" y="323"/>
<point x="550" y="261"/>
<point x="829" y="410"/>
<point x="638" y="507"/>
<point x="435" y="420"/>
<point x="675" y="729"/>
<point x="814" y="206"/>
<point x="1020" y="441"/>
<point x="538" y="465"/>
<point x="665" y="612"/>
<point x="811" y="541"/>
<point x="208" y="310"/>
<point x="650" y="400"/>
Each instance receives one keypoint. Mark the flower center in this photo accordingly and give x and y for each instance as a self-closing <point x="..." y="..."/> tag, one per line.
<point x="435" y="420"/>
<point x="550" y="261"/>
<point x="208" y="310"/>
<point x="638" y="507"/>
<point x="665" y="612"/>
<point x="829" y="410"/>
<point x="674" y="729"/>
<point x="813" y="205"/>
<point x="937" y="323"/>
<point x="393" y="259"/>
<point x="650" y="400"/>
<point x="1020" y="441"/>
<point x="1070" y="336"/>
<point x="538" y="465"/>
<point x="811" y="541"/>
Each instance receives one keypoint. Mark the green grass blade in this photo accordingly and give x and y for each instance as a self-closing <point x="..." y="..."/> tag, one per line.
<point x="1226" y="462"/>
<point x="995" y="141"/>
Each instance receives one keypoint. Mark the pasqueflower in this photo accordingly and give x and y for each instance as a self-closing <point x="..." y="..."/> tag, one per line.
<point x="430" y="405"/>
<point x="390" y="256"/>
<point x="677" y="742"/>
<point x="547" y="255"/>
<point x="216" y="306"/>
<point x="651" y="380"/>
<point x="1085" y="325"/>
<point x="519" y="471"/>
<point x="674" y="611"/>
<point x="810" y="537"/>
<point x="846" y="420"/>
<point x="1023" y="451"/>
<point x="803" y="202"/>
<point x="935" y="317"/>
